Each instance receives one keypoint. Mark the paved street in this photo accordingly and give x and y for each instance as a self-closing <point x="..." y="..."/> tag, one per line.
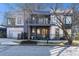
<point x="8" y="48"/>
<point x="38" y="51"/>
<point x="25" y="50"/>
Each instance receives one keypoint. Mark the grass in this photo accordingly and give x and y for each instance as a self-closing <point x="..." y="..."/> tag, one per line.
<point x="56" y="43"/>
<point x="75" y="43"/>
<point x="28" y="42"/>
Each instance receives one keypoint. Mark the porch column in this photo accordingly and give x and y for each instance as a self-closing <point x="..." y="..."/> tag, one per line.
<point x="52" y="32"/>
<point x="29" y="33"/>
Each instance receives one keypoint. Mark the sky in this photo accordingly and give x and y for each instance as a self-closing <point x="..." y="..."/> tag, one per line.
<point x="5" y="7"/>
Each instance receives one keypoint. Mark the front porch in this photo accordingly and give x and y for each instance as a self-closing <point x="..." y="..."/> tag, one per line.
<point x="39" y="32"/>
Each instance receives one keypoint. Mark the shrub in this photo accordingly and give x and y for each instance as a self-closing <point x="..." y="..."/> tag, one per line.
<point x="23" y="35"/>
<point x="28" y="42"/>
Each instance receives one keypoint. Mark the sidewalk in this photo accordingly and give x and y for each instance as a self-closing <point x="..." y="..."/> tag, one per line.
<point x="65" y="51"/>
<point x="6" y="41"/>
<point x="71" y="51"/>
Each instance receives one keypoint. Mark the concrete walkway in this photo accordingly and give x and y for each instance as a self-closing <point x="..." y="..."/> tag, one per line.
<point x="65" y="51"/>
<point x="71" y="51"/>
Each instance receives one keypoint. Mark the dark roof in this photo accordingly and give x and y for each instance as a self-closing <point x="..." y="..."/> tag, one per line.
<point x="2" y="26"/>
<point x="41" y="12"/>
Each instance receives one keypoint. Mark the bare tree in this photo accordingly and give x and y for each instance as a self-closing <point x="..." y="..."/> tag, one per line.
<point x="75" y="19"/>
<point x="60" y="21"/>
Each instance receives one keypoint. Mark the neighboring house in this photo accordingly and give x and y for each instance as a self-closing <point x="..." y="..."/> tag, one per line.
<point x="15" y="24"/>
<point x="37" y="24"/>
<point x="3" y="33"/>
<point x="57" y="32"/>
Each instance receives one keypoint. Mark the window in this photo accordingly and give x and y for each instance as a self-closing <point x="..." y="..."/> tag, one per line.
<point x="43" y="20"/>
<point x="33" y="18"/>
<point x="11" y="21"/>
<point x="33" y="30"/>
<point x="68" y="20"/>
<point x="46" y="20"/>
<point x="38" y="31"/>
<point x="57" y="32"/>
<point x="53" y="20"/>
<point x="19" y="20"/>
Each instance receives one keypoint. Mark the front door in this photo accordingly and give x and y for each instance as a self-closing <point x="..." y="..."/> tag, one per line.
<point x="57" y="32"/>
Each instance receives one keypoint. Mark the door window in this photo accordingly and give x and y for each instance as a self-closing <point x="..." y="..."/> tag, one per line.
<point x="57" y="32"/>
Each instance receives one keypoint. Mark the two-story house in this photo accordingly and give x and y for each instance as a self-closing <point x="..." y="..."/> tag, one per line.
<point x="37" y="24"/>
<point x="17" y="22"/>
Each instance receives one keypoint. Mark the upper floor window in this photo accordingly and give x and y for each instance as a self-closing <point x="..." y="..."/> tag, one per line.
<point x="19" y="20"/>
<point x="46" y="20"/>
<point x="53" y="20"/>
<point x="11" y="21"/>
<point x="43" y="20"/>
<point x="33" y="18"/>
<point x="68" y="20"/>
<point x="40" y="20"/>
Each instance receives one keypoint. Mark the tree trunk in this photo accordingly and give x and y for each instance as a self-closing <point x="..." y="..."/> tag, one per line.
<point x="67" y="37"/>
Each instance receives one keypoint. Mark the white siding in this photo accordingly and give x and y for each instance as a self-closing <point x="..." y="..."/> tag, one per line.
<point x="61" y="32"/>
<point x="53" y="19"/>
<point x="52" y="32"/>
<point x="13" y="32"/>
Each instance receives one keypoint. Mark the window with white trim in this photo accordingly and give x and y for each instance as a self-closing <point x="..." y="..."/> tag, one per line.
<point x="19" y="20"/>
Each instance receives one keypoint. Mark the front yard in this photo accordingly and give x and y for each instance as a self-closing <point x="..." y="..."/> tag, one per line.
<point x="50" y="43"/>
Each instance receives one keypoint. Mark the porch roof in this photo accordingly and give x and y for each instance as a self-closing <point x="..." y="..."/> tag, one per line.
<point x="41" y="12"/>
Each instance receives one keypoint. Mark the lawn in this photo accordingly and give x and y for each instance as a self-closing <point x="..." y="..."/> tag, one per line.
<point x="53" y="43"/>
<point x="75" y="43"/>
